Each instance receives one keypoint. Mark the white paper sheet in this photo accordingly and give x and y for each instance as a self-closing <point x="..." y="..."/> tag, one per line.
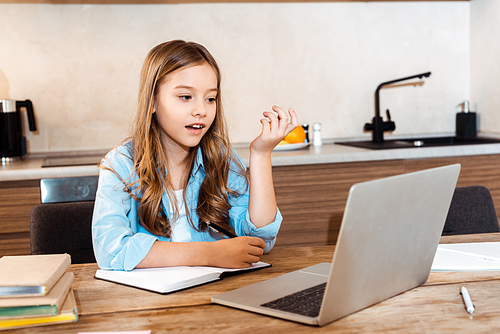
<point x="467" y="257"/>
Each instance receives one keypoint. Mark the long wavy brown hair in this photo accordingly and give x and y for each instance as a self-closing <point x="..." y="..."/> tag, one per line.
<point x="150" y="156"/>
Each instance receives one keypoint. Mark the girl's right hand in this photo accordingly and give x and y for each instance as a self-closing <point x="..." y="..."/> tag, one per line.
<point x="275" y="127"/>
<point x="238" y="252"/>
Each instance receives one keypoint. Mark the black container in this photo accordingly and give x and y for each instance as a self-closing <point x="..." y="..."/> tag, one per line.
<point x="466" y="124"/>
<point x="12" y="141"/>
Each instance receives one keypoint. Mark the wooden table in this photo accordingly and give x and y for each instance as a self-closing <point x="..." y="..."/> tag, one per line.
<point x="435" y="306"/>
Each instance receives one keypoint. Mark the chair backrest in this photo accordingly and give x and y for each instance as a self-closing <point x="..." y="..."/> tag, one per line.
<point x="63" y="228"/>
<point x="471" y="211"/>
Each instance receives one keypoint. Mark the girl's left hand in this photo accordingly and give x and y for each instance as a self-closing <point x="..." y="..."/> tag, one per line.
<point x="275" y="127"/>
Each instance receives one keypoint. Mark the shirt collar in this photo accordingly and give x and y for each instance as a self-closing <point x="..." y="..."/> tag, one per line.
<point x="198" y="162"/>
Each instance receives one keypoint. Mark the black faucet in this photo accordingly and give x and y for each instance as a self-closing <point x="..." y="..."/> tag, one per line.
<point x="378" y="126"/>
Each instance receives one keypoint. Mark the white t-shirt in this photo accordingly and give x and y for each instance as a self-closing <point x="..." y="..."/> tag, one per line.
<point x="180" y="227"/>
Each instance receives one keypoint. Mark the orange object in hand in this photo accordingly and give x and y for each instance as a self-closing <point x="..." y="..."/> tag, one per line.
<point x="297" y="136"/>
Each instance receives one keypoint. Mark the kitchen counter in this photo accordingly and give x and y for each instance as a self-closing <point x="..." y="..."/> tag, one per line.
<point x="31" y="167"/>
<point x="332" y="153"/>
<point x="320" y="176"/>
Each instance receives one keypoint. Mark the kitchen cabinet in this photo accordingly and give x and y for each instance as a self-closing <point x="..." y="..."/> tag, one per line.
<point x="16" y="200"/>
<point x="311" y="197"/>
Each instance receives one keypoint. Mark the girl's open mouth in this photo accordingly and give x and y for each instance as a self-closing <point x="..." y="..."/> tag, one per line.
<point x="195" y="128"/>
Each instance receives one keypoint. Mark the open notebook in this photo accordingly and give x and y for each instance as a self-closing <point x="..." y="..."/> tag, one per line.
<point x="170" y="279"/>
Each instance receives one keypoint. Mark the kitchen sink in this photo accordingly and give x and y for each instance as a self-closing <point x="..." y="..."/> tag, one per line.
<point x="421" y="142"/>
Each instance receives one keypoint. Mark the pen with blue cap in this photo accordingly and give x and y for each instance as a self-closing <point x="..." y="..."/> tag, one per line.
<point x="221" y="230"/>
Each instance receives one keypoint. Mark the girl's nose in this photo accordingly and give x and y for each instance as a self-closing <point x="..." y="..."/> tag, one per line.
<point x="199" y="110"/>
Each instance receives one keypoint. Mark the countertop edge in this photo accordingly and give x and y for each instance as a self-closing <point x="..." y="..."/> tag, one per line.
<point x="30" y="169"/>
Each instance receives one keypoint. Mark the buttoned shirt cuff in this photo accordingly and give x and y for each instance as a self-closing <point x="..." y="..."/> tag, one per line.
<point x="267" y="233"/>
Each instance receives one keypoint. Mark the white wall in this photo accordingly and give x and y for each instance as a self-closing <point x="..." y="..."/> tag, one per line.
<point x="485" y="62"/>
<point x="80" y="64"/>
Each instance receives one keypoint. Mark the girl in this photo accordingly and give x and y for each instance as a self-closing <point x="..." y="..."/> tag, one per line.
<point x="177" y="173"/>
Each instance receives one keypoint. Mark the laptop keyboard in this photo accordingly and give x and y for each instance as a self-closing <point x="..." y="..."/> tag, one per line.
<point x="305" y="302"/>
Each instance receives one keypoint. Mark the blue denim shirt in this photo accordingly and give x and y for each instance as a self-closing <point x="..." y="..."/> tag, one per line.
<point x="121" y="242"/>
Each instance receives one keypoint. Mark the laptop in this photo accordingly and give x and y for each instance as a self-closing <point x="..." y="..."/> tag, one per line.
<point x="387" y="241"/>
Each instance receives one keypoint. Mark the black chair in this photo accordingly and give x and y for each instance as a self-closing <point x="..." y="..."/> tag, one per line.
<point x="471" y="211"/>
<point x="63" y="228"/>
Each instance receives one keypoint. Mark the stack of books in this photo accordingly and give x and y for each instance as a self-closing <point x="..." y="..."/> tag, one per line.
<point x="36" y="290"/>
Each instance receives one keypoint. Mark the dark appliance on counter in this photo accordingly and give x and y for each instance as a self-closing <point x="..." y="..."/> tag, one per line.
<point x="12" y="141"/>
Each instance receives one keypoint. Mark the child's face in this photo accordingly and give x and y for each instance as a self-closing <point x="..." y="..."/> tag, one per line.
<point x="186" y="105"/>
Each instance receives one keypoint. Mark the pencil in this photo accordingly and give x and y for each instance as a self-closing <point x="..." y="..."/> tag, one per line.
<point x="221" y="230"/>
